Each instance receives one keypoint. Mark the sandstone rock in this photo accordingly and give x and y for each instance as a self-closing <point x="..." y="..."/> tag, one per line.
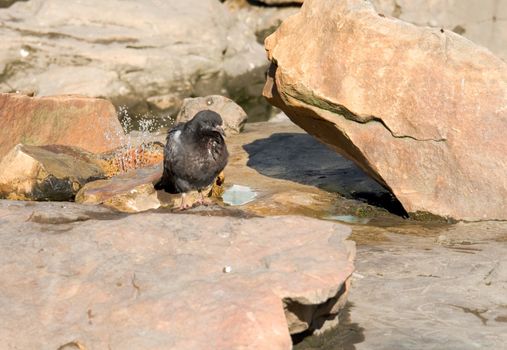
<point x="157" y="281"/>
<point x="459" y="283"/>
<point x="78" y="121"/>
<point x="144" y="49"/>
<point x="133" y="191"/>
<point x="478" y="20"/>
<point x="129" y="192"/>
<point x="421" y="110"/>
<point x="233" y="115"/>
<point x="46" y="172"/>
<point x="481" y="21"/>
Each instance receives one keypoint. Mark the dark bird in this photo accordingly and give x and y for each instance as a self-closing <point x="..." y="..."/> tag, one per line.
<point x="194" y="155"/>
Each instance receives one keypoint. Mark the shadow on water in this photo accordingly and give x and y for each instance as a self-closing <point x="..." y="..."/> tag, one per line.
<point x="301" y="158"/>
<point x="342" y="337"/>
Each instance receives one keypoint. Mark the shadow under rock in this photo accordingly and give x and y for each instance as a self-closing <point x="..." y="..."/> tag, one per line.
<point x="303" y="159"/>
<point x="342" y="337"/>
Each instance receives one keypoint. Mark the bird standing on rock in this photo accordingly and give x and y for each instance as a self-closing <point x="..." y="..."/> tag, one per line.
<point x="194" y="155"/>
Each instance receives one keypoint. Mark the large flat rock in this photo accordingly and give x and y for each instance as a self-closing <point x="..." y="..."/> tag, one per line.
<point x="423" y="287"/>
<point x="421" y="110"/>
<point x="86" y="278"/>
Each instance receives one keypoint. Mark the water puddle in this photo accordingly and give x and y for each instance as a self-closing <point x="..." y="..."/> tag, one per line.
<point x="350" y="219"/>
<point x="238" y="195"/>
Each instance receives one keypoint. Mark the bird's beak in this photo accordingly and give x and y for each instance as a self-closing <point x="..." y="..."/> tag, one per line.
<point x="219" y="130"/>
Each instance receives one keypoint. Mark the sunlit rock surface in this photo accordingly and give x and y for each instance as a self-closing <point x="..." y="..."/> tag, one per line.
<point x="421" y="110"/>
<point x="129" y="192"/>
<point x="155" y="281"/>
<point x="420" y="286"/>
<point x="79" y="121"/>
<point x="51" y="172"/>
<point x="482" y="21"/>
<point x="128" y="52"/>
<point x="233" y="116"/>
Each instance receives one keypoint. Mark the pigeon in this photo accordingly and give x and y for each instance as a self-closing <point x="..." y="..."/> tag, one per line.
<point x="194" y="155"/>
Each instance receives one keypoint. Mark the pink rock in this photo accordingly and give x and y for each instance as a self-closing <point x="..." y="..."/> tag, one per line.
<point x="88" y="123"/>
<point x="157" y="281"/>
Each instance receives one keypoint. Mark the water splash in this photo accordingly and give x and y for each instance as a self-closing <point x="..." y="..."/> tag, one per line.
<point x="142" y="142"/>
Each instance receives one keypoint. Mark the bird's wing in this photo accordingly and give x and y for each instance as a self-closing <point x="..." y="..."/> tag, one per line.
<point x="172" y="158"/>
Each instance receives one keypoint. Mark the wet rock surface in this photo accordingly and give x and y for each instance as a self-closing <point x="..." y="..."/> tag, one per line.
<point x="415" y="120"/>
<point x="52" y="172"/>
<point x="99" y="280"/>
<point x="290" y="171"/>
<point x="420" y="287"/>
<point x="79" y="121"/>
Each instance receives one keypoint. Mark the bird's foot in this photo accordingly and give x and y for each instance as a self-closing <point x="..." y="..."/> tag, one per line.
<point x="184" y="205"/>
<point x="204" y="200"/>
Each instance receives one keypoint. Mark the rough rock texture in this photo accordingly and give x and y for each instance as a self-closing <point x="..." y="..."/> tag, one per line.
<point x="78" y="121"/>
<point x="423" y="287"/>
<point x="46" y="172"/>
<point x="233" y="115"/>
<point x="128" y="51"/>
<point x="129" y="192"/>
<point x="156" y="281"/>
<point x="427" y="121"/>
<point x="134" y="191"/>
<point x="482" y="21"/>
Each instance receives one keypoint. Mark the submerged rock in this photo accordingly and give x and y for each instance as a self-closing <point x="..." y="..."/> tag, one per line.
<point x="79" y="121"/>
<point x="233" y="115"/>
<point x="421" y="110"/>
<point x="46" y="172"/>
<point x="153" y="281"/>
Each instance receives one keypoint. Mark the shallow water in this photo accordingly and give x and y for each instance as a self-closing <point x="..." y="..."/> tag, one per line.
<point x="238" y="195"/>
<point x="350" y="219"/>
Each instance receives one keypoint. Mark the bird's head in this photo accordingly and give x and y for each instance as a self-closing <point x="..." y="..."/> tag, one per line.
<point x="207" y="123"/>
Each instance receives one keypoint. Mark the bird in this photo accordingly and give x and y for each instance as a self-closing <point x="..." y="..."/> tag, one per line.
<point x="194" y="155"/>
